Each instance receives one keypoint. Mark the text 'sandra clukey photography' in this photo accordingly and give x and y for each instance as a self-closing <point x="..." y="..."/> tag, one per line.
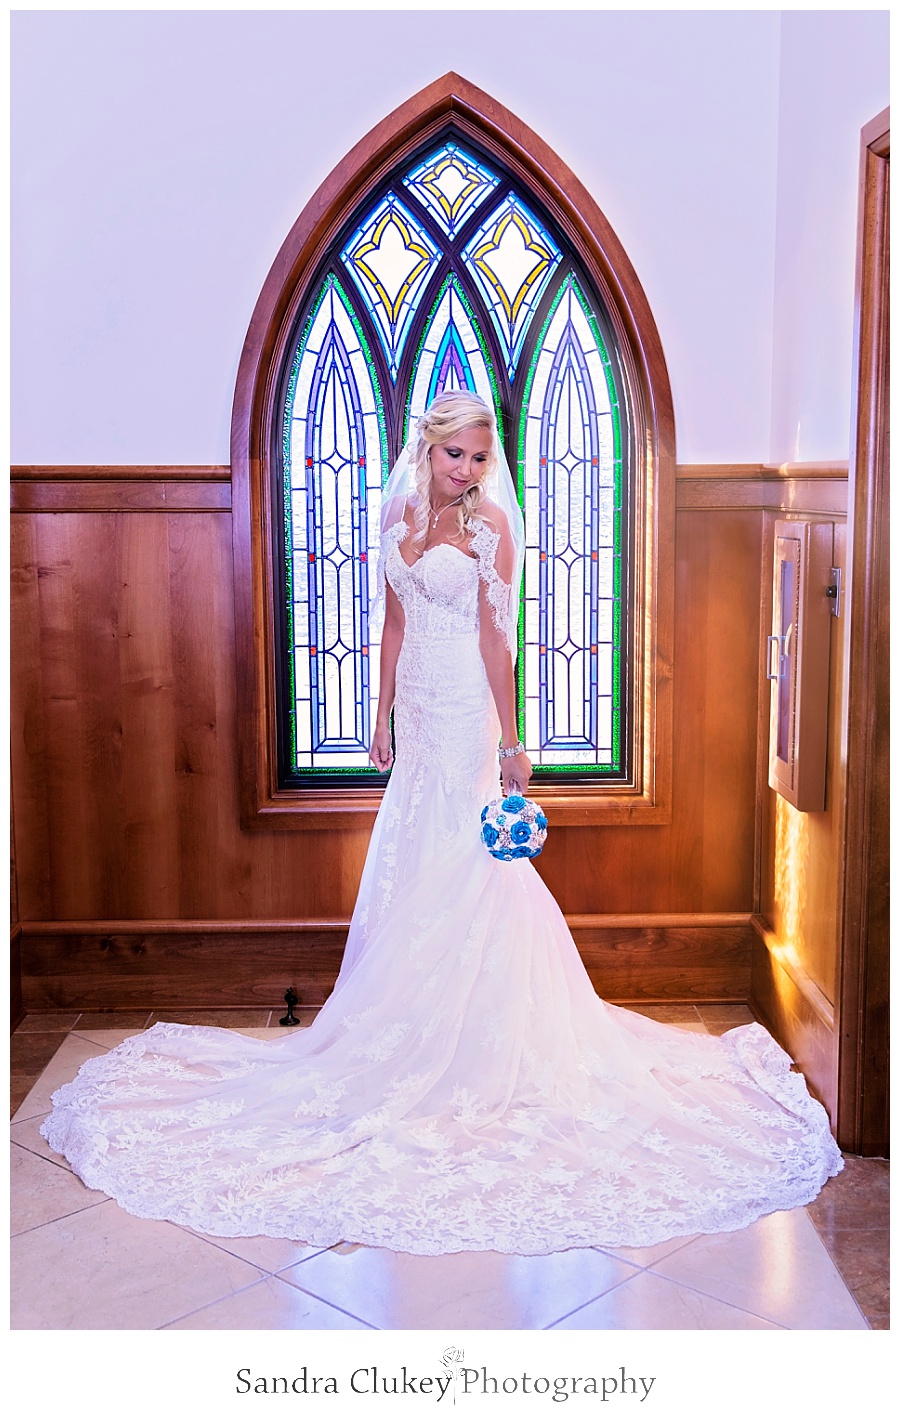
<point x="451" y="1380"/>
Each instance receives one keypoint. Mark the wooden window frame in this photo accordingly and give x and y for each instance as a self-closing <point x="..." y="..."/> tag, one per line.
<point x="646" y="798"/>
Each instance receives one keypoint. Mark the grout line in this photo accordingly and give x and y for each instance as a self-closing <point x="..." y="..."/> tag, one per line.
<point x="310" y="1294"/>
<point x="85" y="1208"/>
<point x="236" y="1292"/>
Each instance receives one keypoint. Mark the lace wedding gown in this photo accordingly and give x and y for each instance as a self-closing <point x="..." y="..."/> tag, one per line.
<point x="463" y="1087"/>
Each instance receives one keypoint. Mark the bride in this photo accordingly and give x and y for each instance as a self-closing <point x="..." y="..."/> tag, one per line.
<point x="463" y="1087"/>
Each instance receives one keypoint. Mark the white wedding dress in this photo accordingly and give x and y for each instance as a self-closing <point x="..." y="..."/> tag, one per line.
<point x="463" y="1087"/>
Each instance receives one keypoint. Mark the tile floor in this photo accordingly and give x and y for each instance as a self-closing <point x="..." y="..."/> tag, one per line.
<point x="822" y="1267"/>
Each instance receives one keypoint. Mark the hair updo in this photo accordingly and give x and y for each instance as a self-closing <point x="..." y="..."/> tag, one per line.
<point x="446" y="416"/>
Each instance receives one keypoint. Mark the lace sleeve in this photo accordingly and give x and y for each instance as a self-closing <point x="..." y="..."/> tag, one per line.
<point x="391" y="537"/>
<point x="484" y="544"/>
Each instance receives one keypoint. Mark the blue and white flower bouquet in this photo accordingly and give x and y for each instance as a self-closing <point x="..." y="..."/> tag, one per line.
<point x="513" y="828"/>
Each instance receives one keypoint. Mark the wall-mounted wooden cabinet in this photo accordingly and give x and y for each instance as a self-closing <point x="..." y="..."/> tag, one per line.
<point x="798" y="653"/>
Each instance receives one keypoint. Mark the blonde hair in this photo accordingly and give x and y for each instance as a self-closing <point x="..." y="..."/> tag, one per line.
<point x="447" y="415"/>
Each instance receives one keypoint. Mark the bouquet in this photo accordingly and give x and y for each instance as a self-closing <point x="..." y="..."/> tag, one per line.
<point x="513" y="828"/>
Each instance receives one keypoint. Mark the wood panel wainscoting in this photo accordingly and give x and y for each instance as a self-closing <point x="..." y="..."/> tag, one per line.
<point x="163" y="966"/>
<point x="131" y="859"/>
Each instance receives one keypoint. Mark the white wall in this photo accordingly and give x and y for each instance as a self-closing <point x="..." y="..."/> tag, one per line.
<point x="160" y="157"/>
<point x="834" y="79"/>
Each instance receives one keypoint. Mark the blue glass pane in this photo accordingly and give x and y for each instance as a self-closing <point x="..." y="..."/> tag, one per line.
<point x="450" y="356"/>
<point x="390" y="257"/>
<point x="572" y="591"/>
<point x="451" y="184"/>
<point x="333" y="473"/>
<point x="512" y="257"/>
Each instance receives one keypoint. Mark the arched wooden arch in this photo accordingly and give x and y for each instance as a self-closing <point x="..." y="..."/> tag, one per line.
<point x="646" y="798"/>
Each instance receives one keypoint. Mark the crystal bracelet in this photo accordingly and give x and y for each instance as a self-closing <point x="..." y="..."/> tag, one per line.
<point x="511" y="750"/>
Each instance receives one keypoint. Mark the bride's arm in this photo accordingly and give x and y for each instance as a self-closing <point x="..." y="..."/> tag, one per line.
<point x="381" y="754"/>
<point x="499" y="668"/>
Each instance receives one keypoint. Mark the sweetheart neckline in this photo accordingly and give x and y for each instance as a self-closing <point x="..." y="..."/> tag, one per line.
<point x="410" y="565"/>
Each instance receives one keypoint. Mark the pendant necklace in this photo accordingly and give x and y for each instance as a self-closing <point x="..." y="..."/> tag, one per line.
<point x="436" y="516"/>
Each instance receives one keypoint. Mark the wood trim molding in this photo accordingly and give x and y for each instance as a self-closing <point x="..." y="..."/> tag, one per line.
<point x="263" y="804"/>
<point x="797" y="1013"/>
<point x="115" y="473"/>
<point x="16" y="999"/>
<point x="788" y="488"/>
<point x="863" y="1119"/>
<point x="119" y="496"/>
<point x="166" y="964"/>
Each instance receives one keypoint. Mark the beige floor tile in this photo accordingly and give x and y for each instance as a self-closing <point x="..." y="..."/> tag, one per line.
<point x="266" y="1033"/>
<point x="650" y="1303"/>
<point x="48" y="1021"/>
<point x="136" y="1020"/>
<point x="675" y="1013"/>
<point x="273" y="1255"/>
<point x="227" y="1017"/>
<point x="27" y="1133"/>
<point x="112" y="1271"/>
<point x="30" y="1053"/>
<point x="64" y="1067"/>
<point x="106" y="1036"/>
<point x="646" y="1257"/>
<point x="41" y="1192"/>
<point x="473" y="1290"/>
<point x="269" y="1305"/>
<point x="726" y="1015"/>
<point x="777" y="1268"/>
<point x="19" y="1088"/>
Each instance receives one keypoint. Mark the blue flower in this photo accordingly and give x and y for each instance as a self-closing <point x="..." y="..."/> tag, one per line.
<point x="526" y="852"/>
<point x="490" y="835"/>
<point x="521" y="833"/>
<point x="541" y="821"/>
<point x="513" y="803"/>
<point x="484" y="813"/>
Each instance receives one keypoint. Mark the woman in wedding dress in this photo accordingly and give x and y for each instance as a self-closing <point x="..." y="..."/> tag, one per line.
<point x="463" y="1087"/>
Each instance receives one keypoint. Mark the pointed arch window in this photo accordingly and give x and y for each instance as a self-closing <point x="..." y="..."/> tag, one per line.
<point x="449" y="262"/>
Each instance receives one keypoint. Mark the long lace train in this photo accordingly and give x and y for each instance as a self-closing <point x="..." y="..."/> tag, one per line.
<point x="463" y="1087"/>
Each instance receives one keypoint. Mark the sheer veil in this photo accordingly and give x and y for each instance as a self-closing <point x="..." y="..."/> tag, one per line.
<point x="501" y="491"/>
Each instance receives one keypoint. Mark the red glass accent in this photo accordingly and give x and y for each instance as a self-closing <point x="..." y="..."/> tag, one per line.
<point x="309" y="463"/>
<point x="365" y="651"/>
<point x="363" y="557"/>
<point x="312" y="651"/>
<point x="311" y="556"/>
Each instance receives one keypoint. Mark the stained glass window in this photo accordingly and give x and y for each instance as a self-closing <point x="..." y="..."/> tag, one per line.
<point x="512" y="257"/>
<point x="465" y="283"/>
<point x="332" y="482"/>
<point x="570" y="480"/>
<point x="451" y="184"/>
<point x="452" y="354"/>
<point x="390" y="257"/>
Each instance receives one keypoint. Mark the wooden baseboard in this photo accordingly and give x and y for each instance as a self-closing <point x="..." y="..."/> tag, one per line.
<point x="16" y="1003"/>
<point x="190" y="965"/>
<point x="795" y="1011"/>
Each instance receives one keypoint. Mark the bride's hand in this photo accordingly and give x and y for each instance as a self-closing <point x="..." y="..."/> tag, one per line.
<point x="381" y="754"/>
<point x="515" y="771"/>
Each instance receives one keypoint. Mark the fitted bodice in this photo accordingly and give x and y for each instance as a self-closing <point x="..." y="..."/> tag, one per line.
<point x="438" y="593"/>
